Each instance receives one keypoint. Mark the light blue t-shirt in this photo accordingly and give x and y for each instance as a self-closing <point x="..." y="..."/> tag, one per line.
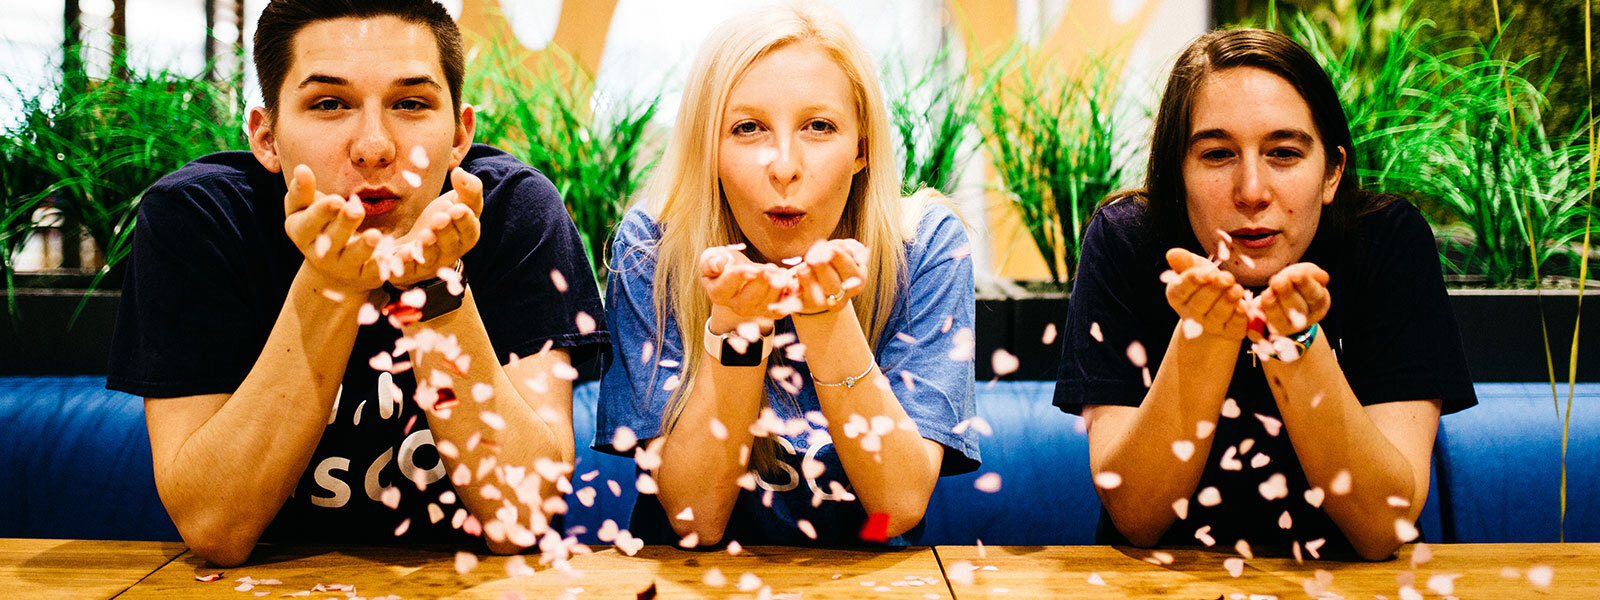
<point x="925" y="352"/>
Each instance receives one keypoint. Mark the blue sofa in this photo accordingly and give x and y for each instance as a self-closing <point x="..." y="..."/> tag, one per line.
<point x="79" y="467"/>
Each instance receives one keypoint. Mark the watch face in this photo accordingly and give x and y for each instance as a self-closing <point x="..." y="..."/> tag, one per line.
<point x="751" y="357"/>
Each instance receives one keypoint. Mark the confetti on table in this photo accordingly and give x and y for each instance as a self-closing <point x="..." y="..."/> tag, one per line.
<point x="208" y="578"/>
<point x="466" y="562"/>
<point x="627" y="543"/>
<point x="1235" y="566"/>
<point x="714" y="578"/>
<point x="1541" y="575"/>
<point x="748" y="582"/>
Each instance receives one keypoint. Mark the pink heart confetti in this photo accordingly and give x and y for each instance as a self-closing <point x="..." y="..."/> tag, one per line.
<point x="1183" y="449"/>
<point x="1170" y="277"/>
<point x="988" y="483"/>
<point x="628" y="544"/>
<point x="1421" y="554"/>
<point x="1259" y="460"/>
<point x="1272" y="425"/>
<point x="1108" y="480"/>
<point x="1243" y="548"/>
<point x="1049" y="336"/>
<point x="1229" y="461"/>
<point x="1285" y="521"/>
<point x="435" y="514"/>
<point x="1297" y="319"/>
<point x="646" y="484"/>
<point x="1094" y="332"/>
<point x="1341" y="483"/>
<point x="401" y="529"/>
<point x="1192" y="328"/>
<point x="807" y="528"/>
<point x="1203" y="429"/>
<point x="1314" y="545"/>
<point x="391" y="497"/>
<point x="1230" y="409"/>
<point x="748" y="582"/>
<point x="1095" y="579"/>
<point x="585" y="323"/>
<point x="1235" y="566"/>
<point x="689" y="541"/>
<point x="1541" y="575"/>
<point x="1398" y="502"/>
<point x="1204" y="535"/>
<point x="1136" y="354"/>
<point x="412" y="179"/>
<point x="960" y="572"/>
<point x="734" y="548"/>
<point x="1443" y="584"/>
<point x="208" y="578"/>
<point x="624" y="439"/>
<point x="419" y="157"/>
<point x="564" y="371"/>
<point x="1275" y="487"/>
<point x="1004" y="363"/>
<point x="1209" y="497"/>
<point x="466" y="562"/>
<point x="493" y="420"/>
<point x="714" y="578"/>
<point x="1405" y="530"/>
<point x="322" y="245"/>
<point x="1180" y="507"/>
<point x="962" y="344"/>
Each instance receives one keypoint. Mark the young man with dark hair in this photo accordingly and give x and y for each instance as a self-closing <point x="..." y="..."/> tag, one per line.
<point x="326" y="344"/>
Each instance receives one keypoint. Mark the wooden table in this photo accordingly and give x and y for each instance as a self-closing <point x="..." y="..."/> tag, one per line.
<point x="78" y="569"/>
<point x="409" y="573"/>
<point x="92" y="569"/>
<point x="1193" y="574"/>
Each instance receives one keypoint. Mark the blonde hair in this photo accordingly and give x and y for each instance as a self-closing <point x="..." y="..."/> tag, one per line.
<point x="685" y="195"/>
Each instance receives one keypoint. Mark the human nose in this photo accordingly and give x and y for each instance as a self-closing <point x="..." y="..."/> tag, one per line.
<point x="1249" y="188"/>
<point x="373" y="145"/>
<point x="786" y="165"/>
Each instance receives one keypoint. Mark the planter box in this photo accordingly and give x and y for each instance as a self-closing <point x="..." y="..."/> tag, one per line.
<point x="1500" y="329"/>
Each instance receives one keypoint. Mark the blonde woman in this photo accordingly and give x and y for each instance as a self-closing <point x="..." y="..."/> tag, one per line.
<point x="784" y="322"/>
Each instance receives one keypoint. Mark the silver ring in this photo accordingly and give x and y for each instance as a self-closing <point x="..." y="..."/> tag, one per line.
<point x="835" y="298"/>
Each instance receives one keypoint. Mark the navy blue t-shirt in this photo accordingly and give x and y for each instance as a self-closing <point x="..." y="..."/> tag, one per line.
<point x="1390" y="325"/>
<point x="209" y="273"/>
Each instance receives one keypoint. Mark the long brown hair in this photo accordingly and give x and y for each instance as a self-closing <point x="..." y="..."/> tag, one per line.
<point x="1164" y="192"/>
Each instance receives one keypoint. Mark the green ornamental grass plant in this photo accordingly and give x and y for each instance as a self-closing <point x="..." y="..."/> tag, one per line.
<point x="1057" y="141"/>
<point x="91" y="147"/>
<point x="933" y="110"/>
<point x="597" y="150"/>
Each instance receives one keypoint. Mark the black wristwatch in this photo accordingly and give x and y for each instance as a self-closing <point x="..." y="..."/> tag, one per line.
<point x="438" y="299"/>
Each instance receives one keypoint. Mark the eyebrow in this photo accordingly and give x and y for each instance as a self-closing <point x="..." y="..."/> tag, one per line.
<point x="811" y="109"/>
<point x="1297" y="135"/>
<point x="401" y="82"/>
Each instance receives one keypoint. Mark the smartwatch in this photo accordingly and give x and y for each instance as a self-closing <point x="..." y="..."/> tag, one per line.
<point x="723" y="348"/>
<point x="438" y="299"/>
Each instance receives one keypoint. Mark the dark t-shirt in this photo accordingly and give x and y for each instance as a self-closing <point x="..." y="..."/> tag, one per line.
<point x="208" y="276"/>
<point x="1390" y="325"/>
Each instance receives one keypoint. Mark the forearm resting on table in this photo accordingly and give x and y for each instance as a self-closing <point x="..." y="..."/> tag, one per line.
<point x="225" y="463"/>
<point x="699" y="471"/>
<point x="1139" y="447"/>
<point x="897" y="477"/>
<point x="1373" y="462"/>
<point x="520" y="413"/>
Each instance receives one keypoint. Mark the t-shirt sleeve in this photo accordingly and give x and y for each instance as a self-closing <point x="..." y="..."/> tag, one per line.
<point x="644" y="366"/>
<point x="188" y="323"/>
<point x="1097" y="371"/>
<point x="929" y="362"/>
<point x="1403" y="341"/>
<point x="529" y="249"/>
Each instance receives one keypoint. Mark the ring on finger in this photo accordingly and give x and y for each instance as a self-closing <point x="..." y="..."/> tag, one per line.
<point x="835" y="298"/>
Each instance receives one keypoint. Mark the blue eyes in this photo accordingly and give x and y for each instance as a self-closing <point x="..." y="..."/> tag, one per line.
<point x="812" y="126"/>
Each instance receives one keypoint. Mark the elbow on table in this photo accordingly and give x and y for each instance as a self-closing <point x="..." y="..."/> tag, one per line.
<point x="220" y="546"/>
<point x="1142" y="529"/>
<point x="903" y="518"/>
<point x="1376" y="547"/>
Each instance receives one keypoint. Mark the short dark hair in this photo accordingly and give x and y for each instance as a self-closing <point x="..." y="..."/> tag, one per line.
<point x="1274" y="52"/>
<point x="282" y="19"/>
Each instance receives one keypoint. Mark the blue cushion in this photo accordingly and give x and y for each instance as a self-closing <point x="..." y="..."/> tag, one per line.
<point x="1501" y="462"/>
<point x="77" y="462"/>
<point x="1042" y="456"/>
